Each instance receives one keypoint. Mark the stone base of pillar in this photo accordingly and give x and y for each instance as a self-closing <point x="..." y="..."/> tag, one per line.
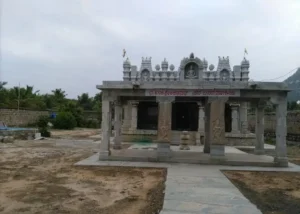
<point x="217" y="151"/>
<point x="163" y="149"/>
<point x="117" y="146"/>
<point x="199" y="136"/>
<point x="235" y="132"/>
<point x="259" y="151"/>
<point x="103" y="155"/>
<point x="206" y="146"/>
<point x="281" y="161"/>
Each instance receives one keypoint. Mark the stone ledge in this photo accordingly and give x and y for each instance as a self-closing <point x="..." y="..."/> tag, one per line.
<point x="139" y="132"/>
<point x="239" y="135"/>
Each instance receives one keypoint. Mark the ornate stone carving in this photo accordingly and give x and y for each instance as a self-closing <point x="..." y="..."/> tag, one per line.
<point x="145" y="75"/>
<point x="164" y="65"/>
<point x="217" y="132"/>
<point x="190" y="73"/>
<point x="224" y="75"/>
<point x="186" y="61"/>
<point x="172" y="67"/>
<point x="223" y="64"/>
<point x="184" y="141"/>
<point x="157" y="67"/>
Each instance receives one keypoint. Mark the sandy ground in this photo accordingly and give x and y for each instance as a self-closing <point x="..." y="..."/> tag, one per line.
<point x="293" y="153"/>
<point x="39" y="177"/>
<point x="272" y="192"/>
<point x="78" y="133"/>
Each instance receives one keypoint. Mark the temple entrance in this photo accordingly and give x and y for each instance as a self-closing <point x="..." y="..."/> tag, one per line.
<point x="227" y="115"/>
<point x="185" y="116"/>
<point x="147" y="115"/>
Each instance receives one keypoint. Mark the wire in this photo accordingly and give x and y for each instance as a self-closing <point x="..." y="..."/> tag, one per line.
<point x="281" y="76"/>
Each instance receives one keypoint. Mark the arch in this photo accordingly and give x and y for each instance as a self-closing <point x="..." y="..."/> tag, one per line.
<point x="191" y="71"/>
<point x="224" y="75"/>
<point x="145" y="75"/>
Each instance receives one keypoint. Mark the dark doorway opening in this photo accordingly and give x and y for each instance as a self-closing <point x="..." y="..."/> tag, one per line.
<point x="185" y="116"/>
<point x="227" y="115"/>
<point x="147" y="115"/>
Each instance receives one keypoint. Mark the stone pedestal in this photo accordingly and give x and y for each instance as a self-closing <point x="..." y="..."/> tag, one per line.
<point x="234" y="118"/>
<point x="117" y="126"/>
<point x="164" y="126"/>
<point x="259" y="129"/>
<point x="106" y="129"/>
<point x="281" y="130"/>
<point x="184" y="141"/>
<point x="217" y="128"/>
<point x="201" y="123"/>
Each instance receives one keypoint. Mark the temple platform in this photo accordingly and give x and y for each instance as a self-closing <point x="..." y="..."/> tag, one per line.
<point x="148" y="153"/>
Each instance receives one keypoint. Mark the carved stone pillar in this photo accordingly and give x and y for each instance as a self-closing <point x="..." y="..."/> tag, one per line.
<point x="117" y="125"/>
<point x="259" y="128"/>
<point x="234" y="118"/>
<point x="217" y="127"/>
<point x="164" y="126"/>
<point x="201" y="123"/>
<point x="127" y="117"/>
<point x="281" y="131"/>
<point x="244" y="118"/>
<point x="106" y="129"/>
<point x="134" y="106"/>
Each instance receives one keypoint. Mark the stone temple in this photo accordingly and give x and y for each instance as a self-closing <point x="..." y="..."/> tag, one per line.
<point x="208" y="103"/>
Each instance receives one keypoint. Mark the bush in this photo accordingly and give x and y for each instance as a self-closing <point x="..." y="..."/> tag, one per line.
<point x="65" y="120"/>
<point x="90" y="124"/>
<point x="44" y="132"/>
<point x="42" y="124"/>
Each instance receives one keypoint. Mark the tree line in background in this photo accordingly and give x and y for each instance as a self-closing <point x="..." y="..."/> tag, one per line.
<point x="56" y="101"/>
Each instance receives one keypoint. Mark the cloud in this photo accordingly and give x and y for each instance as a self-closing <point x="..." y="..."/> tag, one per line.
<point x="76" y="44"/>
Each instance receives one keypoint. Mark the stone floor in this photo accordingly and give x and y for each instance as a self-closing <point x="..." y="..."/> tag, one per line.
<point x="192" y="188"/>
<point x="153" y="146"/>
<point x="146" y="152"/>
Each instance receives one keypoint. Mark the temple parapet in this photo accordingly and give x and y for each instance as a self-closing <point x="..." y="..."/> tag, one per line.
<point x="190" y="68"/>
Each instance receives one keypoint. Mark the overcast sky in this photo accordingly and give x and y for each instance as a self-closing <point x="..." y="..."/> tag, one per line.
<point x="76" y="44"/>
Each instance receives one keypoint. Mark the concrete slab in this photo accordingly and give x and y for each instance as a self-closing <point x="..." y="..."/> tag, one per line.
<point x="153" y="146"/>
<point x="194" y="207"/>
<point x="192" y="188"/>
<point x="266" y="147"/>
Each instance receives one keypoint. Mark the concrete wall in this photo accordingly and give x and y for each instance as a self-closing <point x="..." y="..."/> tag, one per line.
<point x="13" y="117"/>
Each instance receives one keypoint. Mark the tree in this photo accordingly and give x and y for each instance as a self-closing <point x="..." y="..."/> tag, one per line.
<point x="2" y="84"/>
<point x="85" y="101"/>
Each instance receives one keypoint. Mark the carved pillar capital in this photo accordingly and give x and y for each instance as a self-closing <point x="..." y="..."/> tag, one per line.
<point x="134" y="103"/>
<point x="117" y="102"/>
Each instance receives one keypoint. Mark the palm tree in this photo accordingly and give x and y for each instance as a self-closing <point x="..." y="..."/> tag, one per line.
<point x="2" y="84"/>
<point x="59" y="93"/>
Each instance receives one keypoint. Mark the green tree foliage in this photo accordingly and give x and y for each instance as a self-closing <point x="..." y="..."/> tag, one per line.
<point x="29" y="98"/>
<point x="42" y="124"/>
<point x="65" y="120"/>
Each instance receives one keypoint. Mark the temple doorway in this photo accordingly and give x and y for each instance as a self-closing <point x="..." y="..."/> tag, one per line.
<point x="185" y="116"/>
<point x="147" y="115"/>
<point x="227" y="115"/>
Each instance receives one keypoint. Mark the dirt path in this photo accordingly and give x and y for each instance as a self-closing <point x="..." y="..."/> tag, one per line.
<point x="42" y="179"/>
<point x="272" y="192"/>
